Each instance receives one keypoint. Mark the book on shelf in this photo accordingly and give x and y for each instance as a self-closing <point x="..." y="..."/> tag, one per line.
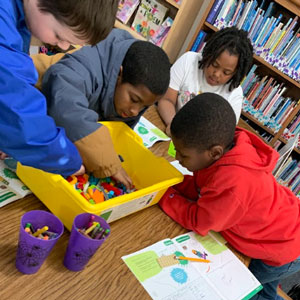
<point x="126" y="9"/>
<point x="265" y="100"/>
<point x="199" y="39"/>
<point x="161" y="33"/>
<point x="223" y="276"/>
<point x="149" y="17"/>
<point x="214" y="11"/>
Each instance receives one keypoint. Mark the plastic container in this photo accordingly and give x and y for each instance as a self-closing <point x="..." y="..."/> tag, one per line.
<point x="151" y="176"/>
<point x="32" y="252"/>
<point x="80" y="247"/>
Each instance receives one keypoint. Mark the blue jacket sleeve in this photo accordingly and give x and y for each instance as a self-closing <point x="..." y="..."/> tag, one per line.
<point x="26" y="132"/>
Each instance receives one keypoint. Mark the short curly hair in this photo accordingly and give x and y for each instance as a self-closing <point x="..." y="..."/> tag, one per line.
<point x="147" y="64"/>
<point x="236" y="42"/>
<point x="91" y="20"/>
<point x="205" y="121"/>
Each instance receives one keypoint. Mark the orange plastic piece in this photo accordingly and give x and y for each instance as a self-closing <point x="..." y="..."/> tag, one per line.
<point x="98" y="196"/>
<point x="90" y="192"/>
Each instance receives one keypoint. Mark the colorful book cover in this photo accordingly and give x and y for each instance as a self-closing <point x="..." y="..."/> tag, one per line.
<point x="161" y="33"/>
<point x="165" y="274"/>
<point x="126" y="9"/>
<point x="148" y="18"/>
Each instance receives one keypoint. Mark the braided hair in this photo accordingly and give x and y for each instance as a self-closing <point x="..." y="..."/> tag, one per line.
<point x="236" y="42"/>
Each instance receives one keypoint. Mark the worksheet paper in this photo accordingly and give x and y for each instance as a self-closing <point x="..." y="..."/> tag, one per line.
<point x="149" y="132"/>
<point x="224" y="278"/>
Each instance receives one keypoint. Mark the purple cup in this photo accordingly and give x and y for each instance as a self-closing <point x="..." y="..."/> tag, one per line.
<point x="80" y="247"/>
<point x="33" y="251"/>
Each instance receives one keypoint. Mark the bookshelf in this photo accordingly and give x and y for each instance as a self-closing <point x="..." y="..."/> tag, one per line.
<point x="266" y="68"/>
<point x="273" y="136"/>
<point x="183" y="16"/>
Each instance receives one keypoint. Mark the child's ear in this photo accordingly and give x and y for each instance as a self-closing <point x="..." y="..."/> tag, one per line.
<point x="121" y="72"/>
<point x="216" y="152"/>
<point x="120" y="75"/>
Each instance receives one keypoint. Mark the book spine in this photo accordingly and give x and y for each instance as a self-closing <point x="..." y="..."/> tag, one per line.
<point x="254" y="22"/>
<point x="201" y="42"/>
<point x="236" y="12"/>
<point x="214" y="11"/>
<point x="250" y="16"/>
<point x="221" y="12"/>
<point x="197" y="41"/>
<point x="244" y="15"/>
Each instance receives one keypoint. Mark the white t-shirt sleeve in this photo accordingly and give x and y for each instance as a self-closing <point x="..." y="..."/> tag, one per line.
<point x="178" y="72"/>
<point x="236" y="100"/>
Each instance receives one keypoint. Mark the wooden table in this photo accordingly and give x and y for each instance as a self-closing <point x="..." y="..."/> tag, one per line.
<point x="106" y="277"/>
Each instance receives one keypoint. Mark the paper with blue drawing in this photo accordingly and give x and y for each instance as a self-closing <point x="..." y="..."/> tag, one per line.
<point x="224" y="278"/>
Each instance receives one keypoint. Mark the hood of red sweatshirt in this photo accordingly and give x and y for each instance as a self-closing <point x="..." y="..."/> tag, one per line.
<point x="249" y="151"/>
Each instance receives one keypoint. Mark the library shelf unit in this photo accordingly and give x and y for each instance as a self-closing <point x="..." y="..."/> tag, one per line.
<point x="183" y="16"/>
<point x="288" y="9"/>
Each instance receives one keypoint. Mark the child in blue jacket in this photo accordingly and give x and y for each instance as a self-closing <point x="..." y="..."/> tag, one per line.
<point x="26" y="132"/>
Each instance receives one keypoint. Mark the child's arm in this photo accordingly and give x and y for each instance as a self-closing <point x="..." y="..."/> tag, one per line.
<point x="188" y="188"/>
<point x="166" y="107"/>
<point x="214" y="210"/>
<point x="26" y="132"/>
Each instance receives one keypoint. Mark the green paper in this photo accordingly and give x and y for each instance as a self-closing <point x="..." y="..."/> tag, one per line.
<point x="143" y="265"/>
<point x="171" y="150"/>
<point x="210" y="244"/>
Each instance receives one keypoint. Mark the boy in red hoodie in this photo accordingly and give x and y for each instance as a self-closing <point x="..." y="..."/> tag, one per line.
<point x="233" y="191"/>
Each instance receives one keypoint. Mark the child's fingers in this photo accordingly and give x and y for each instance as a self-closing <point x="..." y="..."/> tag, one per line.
<point x="81" y="171"/>
<point x="123" y="177"/>
<point x="2" y="155"/>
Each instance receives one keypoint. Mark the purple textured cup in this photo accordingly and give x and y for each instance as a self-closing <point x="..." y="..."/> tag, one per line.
<point x="81" y="248"/>
<point x="33" y="251"/>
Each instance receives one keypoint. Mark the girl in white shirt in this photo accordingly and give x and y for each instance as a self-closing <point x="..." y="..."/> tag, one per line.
<point x="225" y="60"/>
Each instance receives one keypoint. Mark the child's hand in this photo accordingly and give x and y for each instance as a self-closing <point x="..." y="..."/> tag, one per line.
<point x="2" y="155"/>
<point x="123" y="177"/>
<point x="81" y="171"/>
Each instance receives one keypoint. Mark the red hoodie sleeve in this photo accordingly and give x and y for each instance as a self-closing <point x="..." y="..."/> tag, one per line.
<point x="216" y="209"/>
<point x="188" y="187"/>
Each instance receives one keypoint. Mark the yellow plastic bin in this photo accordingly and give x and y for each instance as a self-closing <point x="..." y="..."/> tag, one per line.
<point x="151" y="176"/>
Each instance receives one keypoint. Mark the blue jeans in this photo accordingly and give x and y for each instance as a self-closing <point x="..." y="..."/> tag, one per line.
<point x="270" y="277"/>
